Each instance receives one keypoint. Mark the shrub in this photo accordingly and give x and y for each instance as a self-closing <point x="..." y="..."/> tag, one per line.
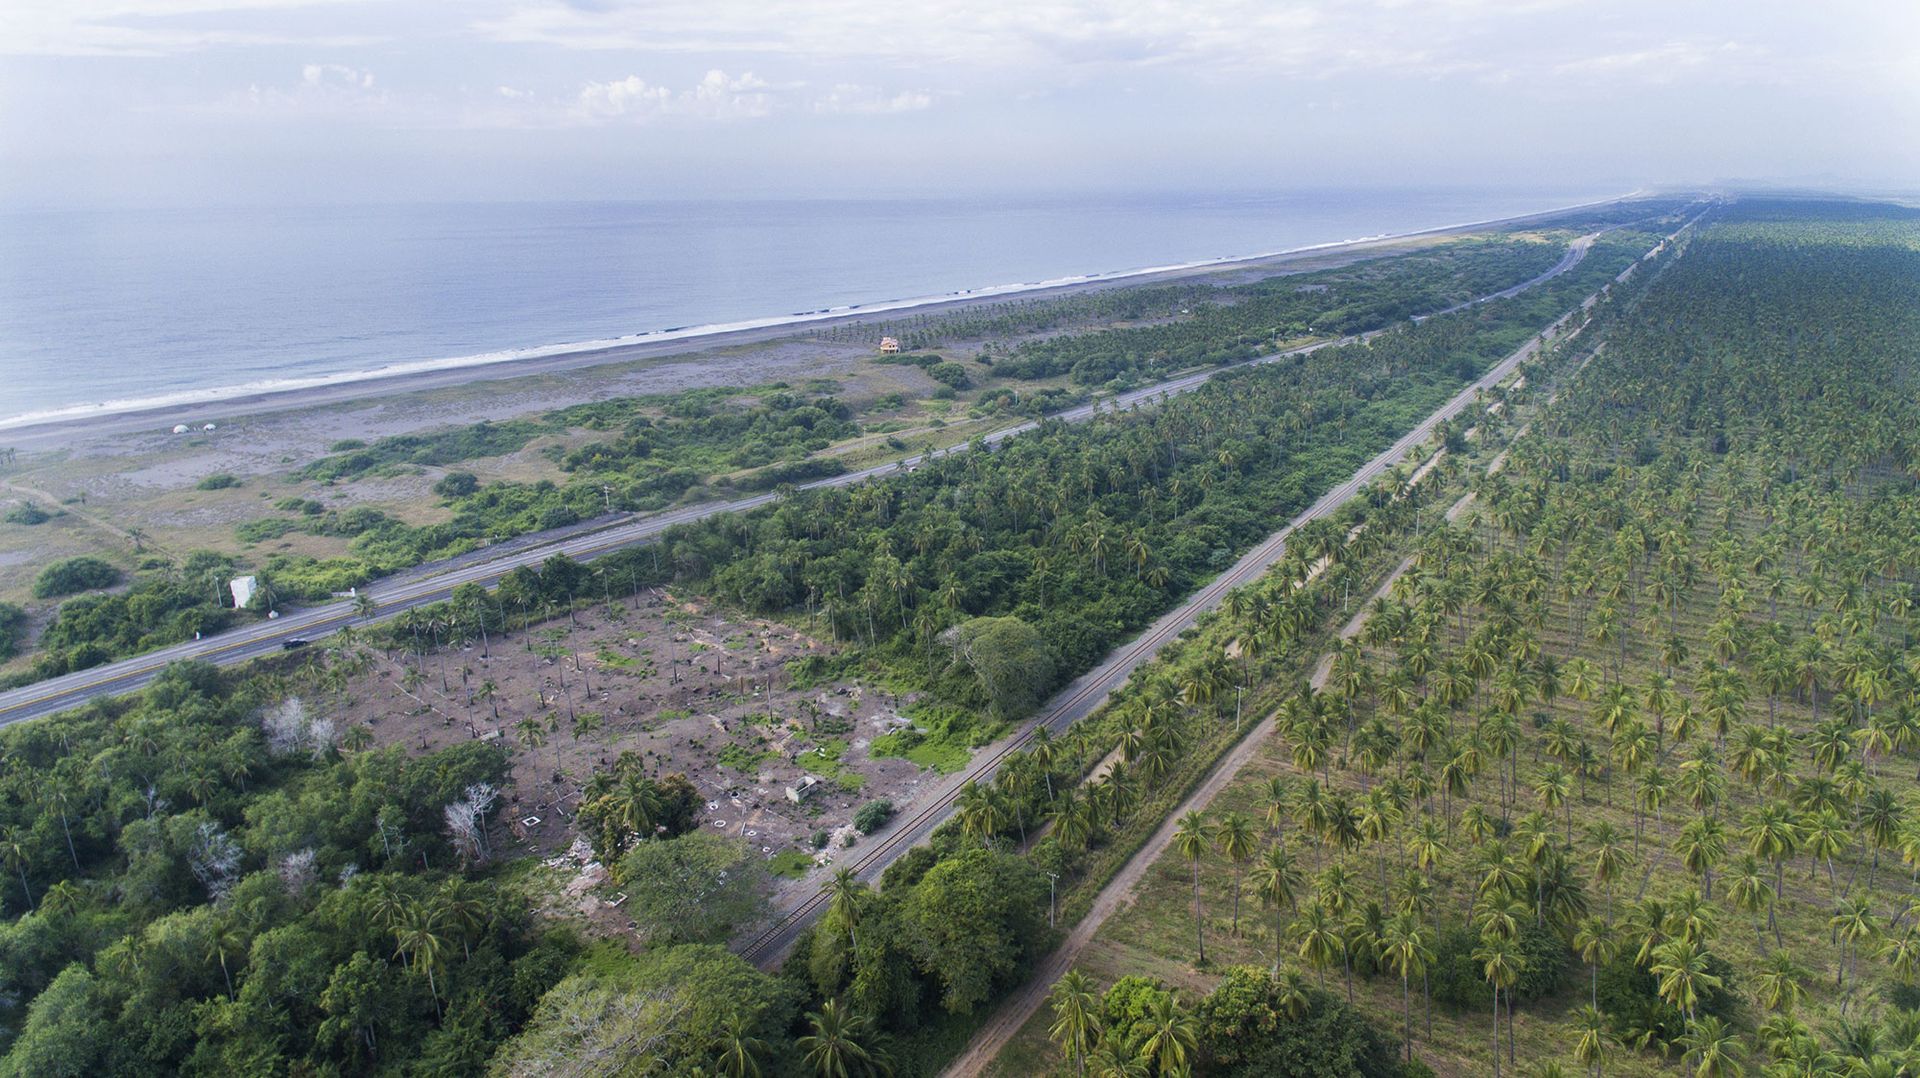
<point x="218" y="481"/>
<point x="83" y="573"/>
<point x="27" y="513"/>
<point x="872" y="816"/>
<point x="1458" y="980"/>
<point x="1630" y="998"/>
<point x="265" y="529"/>
<point x="457" y="485"/>
<point x="1245" y="1031"/>
<point x="12" y="621"/>
<point x="949" y="374"/>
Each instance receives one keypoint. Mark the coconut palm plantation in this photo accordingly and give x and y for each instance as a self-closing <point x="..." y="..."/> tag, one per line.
<point x="1622" y="772"/>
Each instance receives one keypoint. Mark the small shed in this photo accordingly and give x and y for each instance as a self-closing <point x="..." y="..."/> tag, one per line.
<point x="803" y="789"/>
<point x="889" y="346"/>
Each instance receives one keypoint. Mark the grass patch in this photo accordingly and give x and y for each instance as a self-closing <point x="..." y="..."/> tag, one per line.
<point x="823" y="759"/>
<point x="790" y="864"/>
<point x="743" y="758"/>
<point x="943" y="737"/>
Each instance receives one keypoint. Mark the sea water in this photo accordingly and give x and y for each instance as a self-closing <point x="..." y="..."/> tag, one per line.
<point x="112" y="309"/>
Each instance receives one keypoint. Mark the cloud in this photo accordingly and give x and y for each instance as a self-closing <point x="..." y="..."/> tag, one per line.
<point x="323" y="89"/>
<point x="1660" y="61"/>
<point x="854" y="98"/>
<point x="717" y="96"/>
<point x="165" y="27"/>
<point x="336" y="76"/>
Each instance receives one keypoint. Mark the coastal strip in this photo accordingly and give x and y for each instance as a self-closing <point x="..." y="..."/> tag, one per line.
<point x="49" y="427"/>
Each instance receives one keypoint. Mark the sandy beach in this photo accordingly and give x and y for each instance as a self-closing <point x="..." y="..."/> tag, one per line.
<point x="678" y="359"/>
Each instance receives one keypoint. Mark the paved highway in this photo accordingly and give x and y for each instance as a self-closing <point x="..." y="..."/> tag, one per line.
<point x="1087" y="692"/>
<point x="433" y="583"/>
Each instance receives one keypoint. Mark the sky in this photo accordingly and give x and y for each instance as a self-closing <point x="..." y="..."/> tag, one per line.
<point x="213" y="102"/>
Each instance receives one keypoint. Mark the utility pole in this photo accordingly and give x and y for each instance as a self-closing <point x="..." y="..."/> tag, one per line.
<point x="1051" y="877"/>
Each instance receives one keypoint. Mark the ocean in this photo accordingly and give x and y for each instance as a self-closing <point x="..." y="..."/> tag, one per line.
<point x="115" y="309"/>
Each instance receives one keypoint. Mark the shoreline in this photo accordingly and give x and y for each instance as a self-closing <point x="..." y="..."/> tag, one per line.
<point x="195" y="407"/>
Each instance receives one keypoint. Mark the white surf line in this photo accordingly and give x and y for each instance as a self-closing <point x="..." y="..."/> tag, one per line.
<point x="188" y="398"/>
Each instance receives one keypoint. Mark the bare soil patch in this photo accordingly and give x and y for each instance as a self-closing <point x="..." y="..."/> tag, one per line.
<point x="693" y="689"/>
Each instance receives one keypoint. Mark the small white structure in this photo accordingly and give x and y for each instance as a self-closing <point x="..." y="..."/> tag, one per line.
<point x="803" y="789"/>
<point x="243" y="587"/>
<point x="179" y="428"/>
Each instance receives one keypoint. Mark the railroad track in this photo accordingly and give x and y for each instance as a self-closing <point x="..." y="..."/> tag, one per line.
<point x="1084" y="694"/>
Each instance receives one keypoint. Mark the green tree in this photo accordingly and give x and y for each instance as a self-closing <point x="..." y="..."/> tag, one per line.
<point x="1010" y="658"/>
<point x="972" y="921"/>
<point x="698" y="888"/>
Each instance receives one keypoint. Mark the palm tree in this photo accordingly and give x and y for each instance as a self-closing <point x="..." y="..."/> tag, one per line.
<point x="419" y="939"/>
<point x="1854" y="923"/>
<point x="1596" y="1039"/>
<point x="1320" y="941"/>
<point x="1073" y="820"/>
<point x="1597" y="943"/>
<point x="1404" y="949"/>
<point x="846" y="903"/>
<point x="354" y="738"/>
<point x="1427" y="844"/>
<point x="1702" y="843"/>
<point x="1114" y="1058"/>
<point x="1611" y="856"/>
<point x="1501" y="963"/>
<point x="1238" y="842"/>
<point x="1782" y="982"/>
<point x="1749" y="890"/>
<point x="530" y="734"/>
<point x="489" y="691"/>
<point x="979" y="813"/>
<point x="1902" y="954"/>
<point x="1042" y="751"/>
<point x="1681" y="968"/>
<point x="1171" y="1038"/>
<point x="1192" y="838"/>
<point x="13" y="850"/>
<point x="1076" y="1016"/>
<point x="834" y="1048"/>
<point x="740" y="1050"/>
<point x="637" y="805"/>
<point x="1773" y="832"/>
<point x="1276" y="882"/>
<point x="1710" y="1047"/>
<point x="1275" y="802"/>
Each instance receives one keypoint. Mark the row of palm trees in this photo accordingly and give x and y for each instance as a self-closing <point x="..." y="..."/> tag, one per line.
<point x="1815" y="613"/>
